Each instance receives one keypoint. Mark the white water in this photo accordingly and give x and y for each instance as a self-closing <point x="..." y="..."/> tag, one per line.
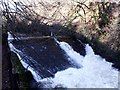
<point x="18" y="52"/>
<point x="94" y="73"/>
<point x="74" y="56"/>
<point x="10" y="37"/>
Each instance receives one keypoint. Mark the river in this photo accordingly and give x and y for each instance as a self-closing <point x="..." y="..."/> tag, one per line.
<point x="64" y="63"/>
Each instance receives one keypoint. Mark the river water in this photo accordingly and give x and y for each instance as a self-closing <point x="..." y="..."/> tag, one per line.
<point x="64" y="63"/>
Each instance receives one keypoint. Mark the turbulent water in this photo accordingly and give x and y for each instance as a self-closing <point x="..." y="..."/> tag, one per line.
<point x="94" y="71"/>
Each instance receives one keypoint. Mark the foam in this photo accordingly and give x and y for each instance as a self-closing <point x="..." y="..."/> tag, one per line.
<point x="96" y="72"/>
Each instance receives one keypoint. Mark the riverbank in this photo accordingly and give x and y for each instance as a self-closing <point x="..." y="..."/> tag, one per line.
<point x="106" y="44"/>
<point x="6" y="64"/>
<point x="14" y="75"/>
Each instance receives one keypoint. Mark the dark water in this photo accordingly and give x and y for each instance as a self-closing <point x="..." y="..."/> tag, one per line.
<point x="45" y="56"/>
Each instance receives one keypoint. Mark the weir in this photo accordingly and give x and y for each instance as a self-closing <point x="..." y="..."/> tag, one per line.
<point x="55" y="63"/>
<point x="46" y="57"/>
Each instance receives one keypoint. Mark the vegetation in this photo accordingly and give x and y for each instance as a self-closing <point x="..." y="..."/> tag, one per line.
<point x="21" y="75"/>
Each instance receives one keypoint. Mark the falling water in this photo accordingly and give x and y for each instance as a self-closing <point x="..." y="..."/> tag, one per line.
<point x="94" y="71"/>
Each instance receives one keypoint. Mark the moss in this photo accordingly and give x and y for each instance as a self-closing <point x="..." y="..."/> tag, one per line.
<point x="24" y="77"/>
<point x="16" y="63"/>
